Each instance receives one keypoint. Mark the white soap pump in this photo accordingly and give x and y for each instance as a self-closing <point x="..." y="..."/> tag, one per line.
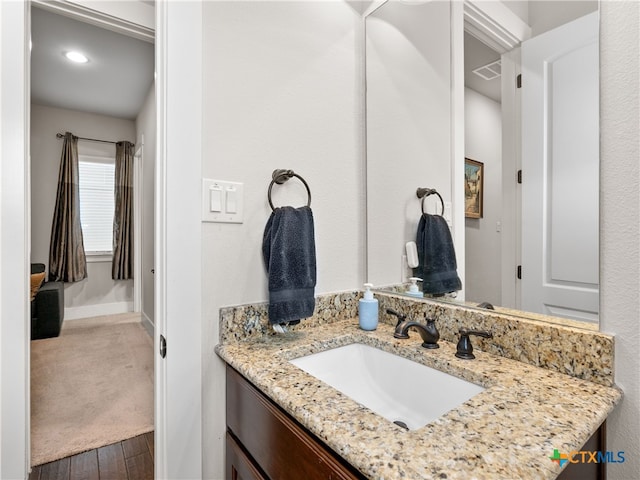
<point x="413" y="288"/>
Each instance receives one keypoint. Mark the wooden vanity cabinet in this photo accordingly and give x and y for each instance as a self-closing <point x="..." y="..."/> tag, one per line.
<point x="264" y="442"/>
<point x="589" y="471"/>
<point x="238" y="464"/>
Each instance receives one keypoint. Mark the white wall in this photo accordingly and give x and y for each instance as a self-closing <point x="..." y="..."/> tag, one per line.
<point x="146" y="126"/>
<point x="98" y="288"/>
<point x="483" y="142"/>
<point x="547" y="15"/>
<point x="620" y="220"/>
<point x="519" y="7"/>
<point x="408" y="127"/>
<point x="543" y="15"/>
<point x="281" y="90"/>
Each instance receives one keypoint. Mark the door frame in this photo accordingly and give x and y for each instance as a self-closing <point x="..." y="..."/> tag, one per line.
<point x="497" y="26"/>
<point x="178" y="235"/>
<point x="178" y="448"/>
<point x="138" y="175"/>
<point x="15" y="238"/>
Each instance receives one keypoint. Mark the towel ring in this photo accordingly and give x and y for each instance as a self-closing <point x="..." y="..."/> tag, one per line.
<point x="423" y="193"/>
<point x="280" y="176"/>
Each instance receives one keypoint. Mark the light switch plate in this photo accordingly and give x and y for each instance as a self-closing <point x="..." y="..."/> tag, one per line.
<point x="222" y="190"/>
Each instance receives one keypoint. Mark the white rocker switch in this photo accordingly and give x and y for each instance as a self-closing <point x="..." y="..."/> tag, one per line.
<point x="231" y="205"/>
<point x="215" y="198"/>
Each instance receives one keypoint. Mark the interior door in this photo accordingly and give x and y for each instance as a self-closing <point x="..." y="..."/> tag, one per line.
<point x="560" y="165"/>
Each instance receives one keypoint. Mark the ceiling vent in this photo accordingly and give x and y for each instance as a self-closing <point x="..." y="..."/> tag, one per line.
<point x="489" y="71"/>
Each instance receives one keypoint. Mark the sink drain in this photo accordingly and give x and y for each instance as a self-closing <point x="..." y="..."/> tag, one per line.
<point x="400" y="423"/>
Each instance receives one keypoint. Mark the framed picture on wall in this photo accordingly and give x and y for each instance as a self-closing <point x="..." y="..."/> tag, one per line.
<point x="473" y="188"/>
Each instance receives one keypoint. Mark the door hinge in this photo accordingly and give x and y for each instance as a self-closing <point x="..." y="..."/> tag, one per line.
<point x="519" y="176"/>
<point x="519" y="81"/>
<point x="519" y="272"/>
<point x="163" y="346"/>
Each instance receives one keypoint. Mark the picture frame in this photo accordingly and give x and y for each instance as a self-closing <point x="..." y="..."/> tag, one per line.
<point x="473" y="188"/>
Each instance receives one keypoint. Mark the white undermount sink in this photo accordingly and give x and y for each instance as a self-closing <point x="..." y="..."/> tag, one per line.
<point x="394" y="387"/>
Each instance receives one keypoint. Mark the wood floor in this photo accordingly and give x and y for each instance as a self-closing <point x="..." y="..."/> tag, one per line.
<point x="130" y="459"/>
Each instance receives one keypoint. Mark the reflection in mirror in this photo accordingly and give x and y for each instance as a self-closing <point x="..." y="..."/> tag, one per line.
<point x="408" y="126"/>
<point x="554" y="230"/>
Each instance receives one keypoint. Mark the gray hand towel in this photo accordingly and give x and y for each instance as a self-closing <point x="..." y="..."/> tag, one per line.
<point x="436" y="256"/>
<point x="289" y="252"/>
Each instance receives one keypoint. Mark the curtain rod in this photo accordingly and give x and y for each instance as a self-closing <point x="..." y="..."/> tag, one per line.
<point x="60" y="135"/>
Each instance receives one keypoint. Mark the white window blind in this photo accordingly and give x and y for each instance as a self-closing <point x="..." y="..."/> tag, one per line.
<point x="96" y="180"/>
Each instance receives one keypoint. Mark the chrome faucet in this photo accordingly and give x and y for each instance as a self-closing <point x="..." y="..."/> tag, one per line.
<point x="428" y="332"/>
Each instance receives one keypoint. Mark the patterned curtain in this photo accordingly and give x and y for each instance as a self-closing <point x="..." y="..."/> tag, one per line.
<point x="122" y="266"/>
<point x="67" y="262"/>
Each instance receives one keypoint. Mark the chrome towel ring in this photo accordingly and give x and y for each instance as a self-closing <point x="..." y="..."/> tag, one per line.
<point x="423" y="193"/>
<point x="280" y="176"/>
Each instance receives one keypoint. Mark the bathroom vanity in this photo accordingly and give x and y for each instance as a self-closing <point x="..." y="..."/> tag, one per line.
<point x="263" y="441"/>
<point x="284" y="423"/>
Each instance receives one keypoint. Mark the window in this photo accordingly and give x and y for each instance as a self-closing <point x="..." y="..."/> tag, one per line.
<point x="96" y="181"/>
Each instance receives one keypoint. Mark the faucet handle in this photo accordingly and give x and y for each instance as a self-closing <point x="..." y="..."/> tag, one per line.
<point x="464" y="348"/>
<point x="401" y="318"/>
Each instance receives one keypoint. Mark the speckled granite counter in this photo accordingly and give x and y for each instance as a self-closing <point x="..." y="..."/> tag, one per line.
<point x="508" y="431"/>
<point x="581" y="353"/>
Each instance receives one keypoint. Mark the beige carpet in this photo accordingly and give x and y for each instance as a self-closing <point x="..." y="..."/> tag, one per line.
<point x="91" y="386"/>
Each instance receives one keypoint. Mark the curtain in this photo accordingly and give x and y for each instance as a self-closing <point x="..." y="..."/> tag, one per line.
<point x="67" y="261"/>
<point x="122" y="266"/>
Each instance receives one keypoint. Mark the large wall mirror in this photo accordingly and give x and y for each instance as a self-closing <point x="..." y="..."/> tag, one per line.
<point x="546" y="228"/>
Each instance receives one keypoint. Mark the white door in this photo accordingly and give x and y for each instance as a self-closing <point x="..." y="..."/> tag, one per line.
<point x="560" y="152"/>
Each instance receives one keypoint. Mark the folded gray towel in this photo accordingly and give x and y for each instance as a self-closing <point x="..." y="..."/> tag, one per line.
<point x="436" y="256"/>
<point x="289" y="252"/>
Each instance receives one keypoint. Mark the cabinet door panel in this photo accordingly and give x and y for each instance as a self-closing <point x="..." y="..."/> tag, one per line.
<point x="239" y="466"/>
<point x="589" y="471"/>
<point x="281" y="447"/>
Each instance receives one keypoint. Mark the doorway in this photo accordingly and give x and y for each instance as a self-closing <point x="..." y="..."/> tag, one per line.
<point x="88" y="110"/>
<point x="178" y="443"/>
<point x="483" y="169"/>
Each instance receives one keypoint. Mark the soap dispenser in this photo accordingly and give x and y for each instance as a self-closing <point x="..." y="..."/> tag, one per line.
<point x="414" y="291"/>
<point x="368" y="309"/>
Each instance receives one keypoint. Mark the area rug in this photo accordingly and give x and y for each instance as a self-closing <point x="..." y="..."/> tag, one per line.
<point x="90" y="387"/>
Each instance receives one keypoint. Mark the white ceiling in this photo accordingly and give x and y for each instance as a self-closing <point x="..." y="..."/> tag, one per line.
<point x="477" y="54"/>
<point x="114" y="82"/>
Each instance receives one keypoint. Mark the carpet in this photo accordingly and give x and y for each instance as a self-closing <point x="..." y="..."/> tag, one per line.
<point x="91" y="386"/>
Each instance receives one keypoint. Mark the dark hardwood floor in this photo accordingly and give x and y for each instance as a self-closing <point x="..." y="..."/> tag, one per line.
<point x="130" y="459"/>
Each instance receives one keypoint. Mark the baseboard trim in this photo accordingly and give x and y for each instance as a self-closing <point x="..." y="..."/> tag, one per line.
<point x="85" y="311"/>
<point x="148" y="324"/>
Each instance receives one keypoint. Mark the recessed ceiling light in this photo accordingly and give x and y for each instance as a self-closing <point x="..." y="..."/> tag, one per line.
<point x="76" y="57"/>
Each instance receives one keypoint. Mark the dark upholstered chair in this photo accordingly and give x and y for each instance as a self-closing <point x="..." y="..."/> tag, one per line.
<point x="47" y="309"/>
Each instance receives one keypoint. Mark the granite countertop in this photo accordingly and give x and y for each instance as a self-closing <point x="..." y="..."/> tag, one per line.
<point x="508" y="431"/>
